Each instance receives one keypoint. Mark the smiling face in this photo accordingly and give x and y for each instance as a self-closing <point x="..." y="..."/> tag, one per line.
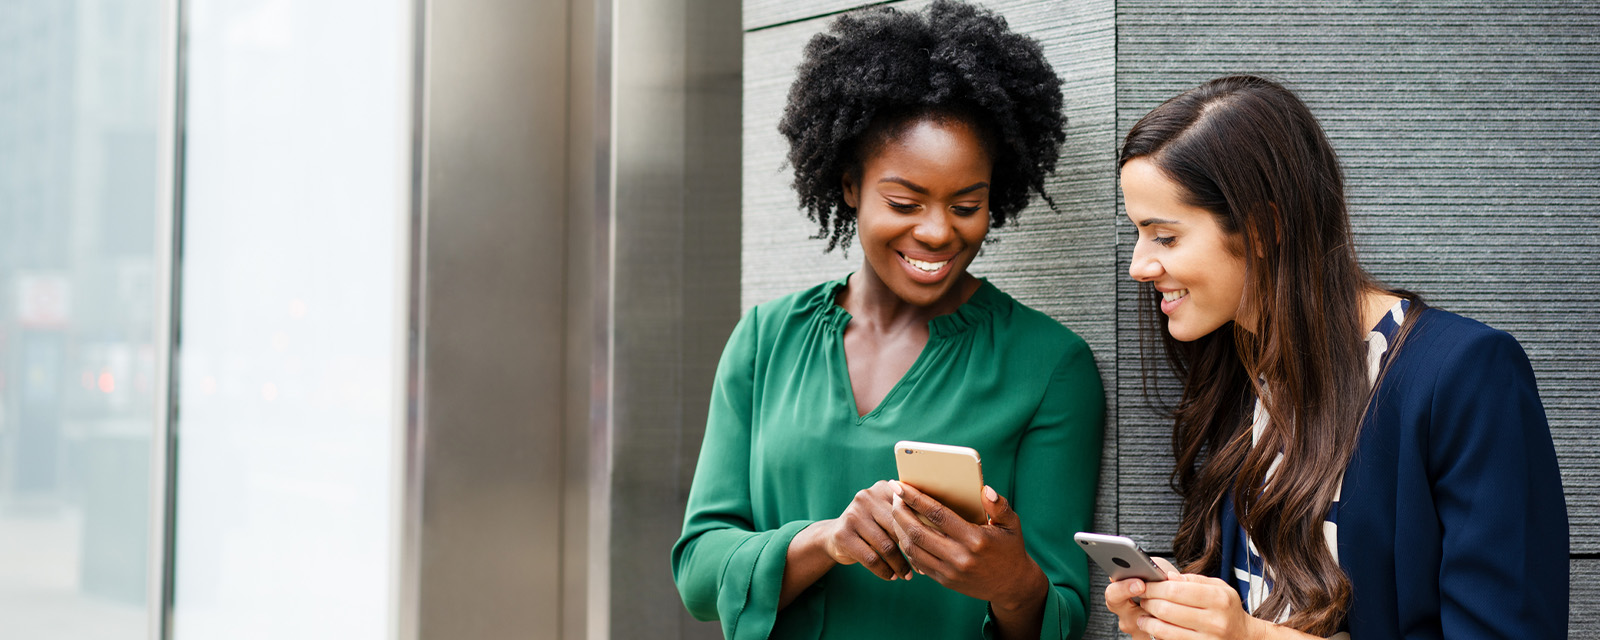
<point x="922" y="209"/>
<point x="1197" y="266"/>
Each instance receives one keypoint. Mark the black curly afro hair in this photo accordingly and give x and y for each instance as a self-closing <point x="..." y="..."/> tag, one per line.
<point x="875" y="72"/>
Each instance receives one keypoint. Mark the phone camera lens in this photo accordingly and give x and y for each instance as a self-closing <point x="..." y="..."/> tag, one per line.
<point x="1121" y="563"/>
<point x="909" y="451"/>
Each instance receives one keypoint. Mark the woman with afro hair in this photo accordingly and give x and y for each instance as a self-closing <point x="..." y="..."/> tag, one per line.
<point x="912" y="134"/>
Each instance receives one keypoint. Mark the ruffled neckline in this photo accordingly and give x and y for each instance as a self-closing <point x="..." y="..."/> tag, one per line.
<point x="978" y="308"/>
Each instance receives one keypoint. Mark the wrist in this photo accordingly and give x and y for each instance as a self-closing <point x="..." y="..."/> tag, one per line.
<point x="1258" y="629"/>
<point x="1031" y="595"/>
<point x="812" y="542"/>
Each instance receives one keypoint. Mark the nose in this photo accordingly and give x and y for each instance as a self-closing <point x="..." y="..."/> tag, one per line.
<point x="1142" y="267"/>
<point x="935" y="229"/>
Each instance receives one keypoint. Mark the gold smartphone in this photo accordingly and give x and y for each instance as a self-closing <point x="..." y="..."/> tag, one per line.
<point x="950" y="474"/>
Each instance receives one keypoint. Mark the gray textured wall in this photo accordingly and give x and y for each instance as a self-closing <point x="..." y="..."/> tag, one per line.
<point x="1469" y="131"/>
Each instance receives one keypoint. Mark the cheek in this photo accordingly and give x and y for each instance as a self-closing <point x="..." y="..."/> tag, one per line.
<point x="975" y="228"/>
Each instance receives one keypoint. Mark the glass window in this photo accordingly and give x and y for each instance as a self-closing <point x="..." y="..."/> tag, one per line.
<point x="291" y="389"/>
<point x="79" y="109"/>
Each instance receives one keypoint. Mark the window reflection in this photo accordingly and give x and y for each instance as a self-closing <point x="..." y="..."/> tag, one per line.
<point x="79" y="101"/>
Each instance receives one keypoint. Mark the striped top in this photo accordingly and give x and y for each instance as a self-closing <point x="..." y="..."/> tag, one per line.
<point x="1249" y="572"/>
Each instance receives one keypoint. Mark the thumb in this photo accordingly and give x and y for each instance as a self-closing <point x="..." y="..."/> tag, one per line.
<point x="999" y="509"/>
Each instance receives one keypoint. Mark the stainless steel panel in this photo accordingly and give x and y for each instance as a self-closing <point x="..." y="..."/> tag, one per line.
<point x="492" y="383"/>
<point x="676" y="283"/>
<point x="586" y="490"/>
<point x="579" y="250"/>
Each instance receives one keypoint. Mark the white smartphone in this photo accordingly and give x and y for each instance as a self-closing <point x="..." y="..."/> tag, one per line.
<point x="950" y="474"/>
<point x="1121" y="557"/>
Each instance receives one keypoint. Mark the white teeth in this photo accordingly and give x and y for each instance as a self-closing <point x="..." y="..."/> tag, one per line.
<point x="930" y="267"/>
<point x="1170" y="296"/>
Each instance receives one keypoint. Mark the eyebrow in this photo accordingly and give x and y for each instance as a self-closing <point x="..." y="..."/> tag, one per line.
<point x="1150" y="221"/>
<point x="924" y="190"/>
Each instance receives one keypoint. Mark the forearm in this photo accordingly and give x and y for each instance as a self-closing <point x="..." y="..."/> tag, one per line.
<point x="805" y="563"/>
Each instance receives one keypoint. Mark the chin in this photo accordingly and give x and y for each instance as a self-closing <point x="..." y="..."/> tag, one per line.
<point x="1182" y="336"/>
<point x="920" y="297"/>
<point x="1187" y="334"/>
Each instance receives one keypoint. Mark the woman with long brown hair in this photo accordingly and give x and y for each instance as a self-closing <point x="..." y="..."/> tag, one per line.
<point x="1349" y="460"/>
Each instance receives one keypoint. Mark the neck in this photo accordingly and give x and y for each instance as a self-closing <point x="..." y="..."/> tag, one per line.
<point x="1374" y="304"/>
<point x="867" y="298"/>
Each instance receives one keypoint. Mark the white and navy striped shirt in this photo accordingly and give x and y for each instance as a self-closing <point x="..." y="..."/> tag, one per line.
<point x="1249" y="572"/>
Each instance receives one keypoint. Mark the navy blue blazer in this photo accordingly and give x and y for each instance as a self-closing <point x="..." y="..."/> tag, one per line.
<point x="1452" y="522"/>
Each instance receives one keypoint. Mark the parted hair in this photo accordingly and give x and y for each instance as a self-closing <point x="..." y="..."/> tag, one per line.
<point x="1250" y="152"/>
<point x="874" y="72"/>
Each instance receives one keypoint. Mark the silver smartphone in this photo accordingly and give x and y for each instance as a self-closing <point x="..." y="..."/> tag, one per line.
<point x="1120" y="557"/>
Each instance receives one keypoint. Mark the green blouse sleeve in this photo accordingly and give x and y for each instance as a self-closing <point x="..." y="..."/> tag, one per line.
<point x="1058" y="470"/>
<point x="725" y="569"/>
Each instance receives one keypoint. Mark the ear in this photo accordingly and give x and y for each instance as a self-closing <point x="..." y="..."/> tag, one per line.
<point x="852" y="195"/>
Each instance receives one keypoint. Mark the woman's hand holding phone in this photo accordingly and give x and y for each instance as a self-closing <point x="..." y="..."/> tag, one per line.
<point x="988" y="562"/>
<point x="1123" y="598"/>
<point x="1186" y="605"/>
<point x="864" y="534"/>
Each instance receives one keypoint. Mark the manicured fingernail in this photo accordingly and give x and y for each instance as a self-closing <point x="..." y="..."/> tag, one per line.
<point x="988" y="492"/>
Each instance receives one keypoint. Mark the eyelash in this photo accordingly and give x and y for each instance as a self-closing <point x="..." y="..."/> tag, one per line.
<point x="908" y="208"/>
<point x="1165" y="241"/>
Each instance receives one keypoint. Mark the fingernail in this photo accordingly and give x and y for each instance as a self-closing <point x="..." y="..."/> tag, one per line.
<point x="895" y="484"/>
<point x="988" y="492"/>
<point x="1137" y="588"/>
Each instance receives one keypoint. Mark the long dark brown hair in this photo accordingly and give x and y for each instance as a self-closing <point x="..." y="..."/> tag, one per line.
<point x="1250" y="152"/>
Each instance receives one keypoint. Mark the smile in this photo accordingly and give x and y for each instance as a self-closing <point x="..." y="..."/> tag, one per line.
<point x="927" y="267"/>
<point x="1170" y="300"/>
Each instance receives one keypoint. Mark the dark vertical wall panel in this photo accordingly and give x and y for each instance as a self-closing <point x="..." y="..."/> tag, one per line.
<point x="1585" y="592"/>
<point x="1469" y="134"/>
<point x="760" y="14"/>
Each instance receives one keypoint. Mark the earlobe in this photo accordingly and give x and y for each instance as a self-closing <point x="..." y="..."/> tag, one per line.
<point x="850" y="196"/>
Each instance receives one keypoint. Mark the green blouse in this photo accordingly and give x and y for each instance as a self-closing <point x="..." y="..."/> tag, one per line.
<point x="784" y="447"/>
